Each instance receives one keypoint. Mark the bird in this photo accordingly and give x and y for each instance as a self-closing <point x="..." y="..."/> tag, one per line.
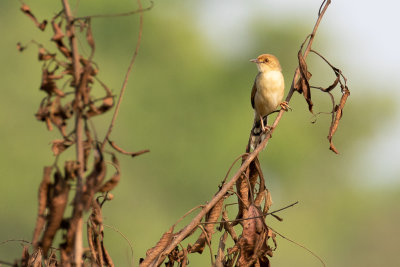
<point x="266" y="95"/>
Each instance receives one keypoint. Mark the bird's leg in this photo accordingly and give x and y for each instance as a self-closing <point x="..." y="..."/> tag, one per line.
<point x="285" y="106"/>
<point x="264" y="128"/>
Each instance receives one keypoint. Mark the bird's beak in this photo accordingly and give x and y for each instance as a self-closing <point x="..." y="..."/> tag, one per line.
<point x="254" y="60"/>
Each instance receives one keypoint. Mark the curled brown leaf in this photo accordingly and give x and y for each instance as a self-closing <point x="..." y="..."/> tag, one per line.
<point x="48" y="82"/>
<point x="113" y="181"/>
<point x="303" y="85"/>
<point x="60" y="145"/>
<point x="57" y="203"/>
<point x="42" y="198"/>
<point x="94" y="179"/>
<point x="152" y="253"/>
<point x="27" y="11"/>
<point x="35" y="260"/>
<point x="45" y="55"/>
<point x="211" y="216"/>
<point x="133" y="154"/>
<point x="337" y="117"/>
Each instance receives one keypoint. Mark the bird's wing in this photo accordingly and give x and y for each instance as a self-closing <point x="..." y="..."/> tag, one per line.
<point x="253" y="93"/>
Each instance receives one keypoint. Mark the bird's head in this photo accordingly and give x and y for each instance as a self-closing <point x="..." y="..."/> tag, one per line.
<point x="267" y="62"/>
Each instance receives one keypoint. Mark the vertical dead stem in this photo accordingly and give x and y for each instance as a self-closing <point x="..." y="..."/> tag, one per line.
<point x="78" y="133"/>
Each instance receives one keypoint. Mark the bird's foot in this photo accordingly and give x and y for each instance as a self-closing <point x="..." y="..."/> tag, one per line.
<point x="266" y="128"/>
<point x="285" y="106"/>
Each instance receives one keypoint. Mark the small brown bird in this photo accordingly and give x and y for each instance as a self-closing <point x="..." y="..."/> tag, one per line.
<point x="266" y="96"/>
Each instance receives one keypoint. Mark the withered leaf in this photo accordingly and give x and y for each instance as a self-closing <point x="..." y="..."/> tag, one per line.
<point x="337" y="117"/>
<point x="337" y="111"/>
<point x="58" y="38"/>
<point x="261" y="191"/>
<point x="211" y="216"/>
<point x="90" y="237"/>
<point x="71" y="168"/>
<point x="35" y="260"/>
<point x="89" y="36"/>
<point x="220" y="258"/>
<point x="243" y="190"/>
<point x="228" y="226"/>
<point x="96" y="216"/>
<point x="25" y="8"/>
<point x="252" y="243"/>
<point x="60" y="145"/>
<point x="268" y="201"/>
<point x="302" y="84"/>
<point x="45" y="55"/>
<point x="42" y="199"/>
<point x="43" y="114"/>
<point x="252" y="226"/>
<point x="335" y="83"/>
<point x="58" y="33"/>
<point x="113" y="181"/>
<point x="133" y="154"/>
<point x="59" y="114"/>
<point x="57" y="203"/>
<point x="273" y="236"/>
<point x="153" y="253"/>
<point x="63" y="49"/>
<point x="25" y="256"/>
<point x="107" y="104"/>
<point x="48" y="83"/>
<point x="94" y="179"/>
<point x="107" y="258"/>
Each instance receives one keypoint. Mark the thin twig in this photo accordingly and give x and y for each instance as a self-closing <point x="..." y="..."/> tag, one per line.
<point x="186" y="214"/>
<point x="121" y="94"/>
<point x="124" y="237"/>
<point x="300" y="245"/>
<point x="22" y="241"/>
<point x="208" y="243"/>
<point x="255" y="217"/>
<point x="139" y="10"/>
<point x="233" y="164"/>
<point x="6" y="263"/>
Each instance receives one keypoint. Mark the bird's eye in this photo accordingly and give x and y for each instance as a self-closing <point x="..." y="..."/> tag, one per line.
<point x="266" y="60"/>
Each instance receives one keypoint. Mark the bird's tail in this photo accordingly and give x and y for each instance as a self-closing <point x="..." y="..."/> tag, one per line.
<point x="257" y="135"/>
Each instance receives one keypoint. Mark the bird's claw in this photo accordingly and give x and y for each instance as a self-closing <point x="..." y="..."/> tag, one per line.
<point x="285" y="106"/>
<point x="265" y="128"/>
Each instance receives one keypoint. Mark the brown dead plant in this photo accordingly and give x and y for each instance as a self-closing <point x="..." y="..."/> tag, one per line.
<point x="68" y="79"/>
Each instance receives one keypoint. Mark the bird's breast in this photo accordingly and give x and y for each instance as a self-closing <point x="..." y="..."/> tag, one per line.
<point x="270" y="89"/>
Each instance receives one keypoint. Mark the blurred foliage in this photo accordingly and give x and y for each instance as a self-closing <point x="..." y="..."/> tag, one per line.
<point x="191" y="108"/>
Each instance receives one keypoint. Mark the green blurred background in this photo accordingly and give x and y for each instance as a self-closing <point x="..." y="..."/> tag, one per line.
<point x="188" y="102"/>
